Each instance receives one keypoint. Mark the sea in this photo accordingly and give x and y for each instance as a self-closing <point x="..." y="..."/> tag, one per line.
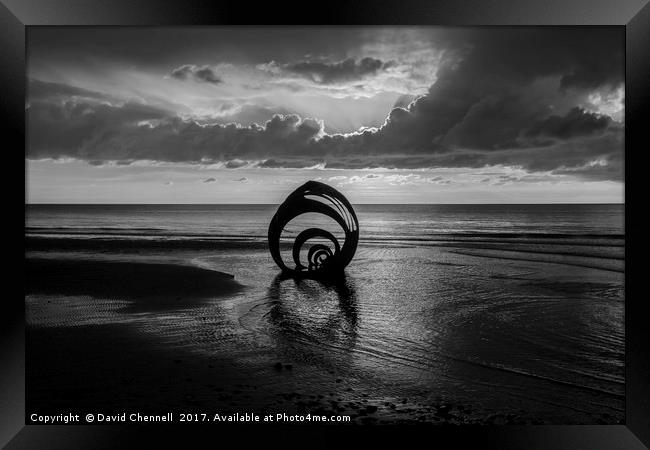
<point x="507" y="310"/>
<point x="578" y="223"/>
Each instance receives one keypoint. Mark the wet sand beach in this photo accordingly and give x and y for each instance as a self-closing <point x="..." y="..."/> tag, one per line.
<point x="440" y="332"/>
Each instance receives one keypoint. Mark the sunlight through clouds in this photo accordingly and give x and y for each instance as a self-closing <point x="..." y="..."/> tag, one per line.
<point x="410" y="114"/>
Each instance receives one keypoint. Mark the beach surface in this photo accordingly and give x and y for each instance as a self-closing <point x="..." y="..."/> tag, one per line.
<point x="485" y="328"/>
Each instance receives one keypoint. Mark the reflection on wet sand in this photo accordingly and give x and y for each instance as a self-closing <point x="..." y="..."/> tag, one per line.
<point x="314" y="311"/>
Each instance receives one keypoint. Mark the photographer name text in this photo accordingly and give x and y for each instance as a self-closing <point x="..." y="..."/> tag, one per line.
<point x="170" y="417"/>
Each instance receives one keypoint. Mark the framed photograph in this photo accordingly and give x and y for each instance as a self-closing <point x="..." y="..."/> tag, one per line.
<point x="397" y="217"/>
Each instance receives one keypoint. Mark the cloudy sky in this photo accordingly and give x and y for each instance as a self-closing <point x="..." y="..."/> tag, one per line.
<point x="386" y="115"/>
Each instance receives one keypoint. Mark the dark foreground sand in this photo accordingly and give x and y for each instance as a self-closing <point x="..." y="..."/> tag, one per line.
<point x="147" y="286"/>
<point x="129" y="334"/>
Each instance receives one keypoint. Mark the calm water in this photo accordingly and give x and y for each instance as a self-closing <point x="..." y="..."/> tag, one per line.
<point x="377" y="221"/>
<point x="506" y="309"/>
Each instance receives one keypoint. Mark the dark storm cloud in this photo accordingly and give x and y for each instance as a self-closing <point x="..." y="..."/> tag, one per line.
<point x="484" y="101"/>
<point x="322" y="72"/>
<point x="484" y="109"/>
<point x="204" y="74"/>
<point x="576" y="122"/>
<point x="132" y="131"/>
<point x="79" y="128"/>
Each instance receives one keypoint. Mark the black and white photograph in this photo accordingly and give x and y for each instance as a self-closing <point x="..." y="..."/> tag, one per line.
<point x="363" y="225"/>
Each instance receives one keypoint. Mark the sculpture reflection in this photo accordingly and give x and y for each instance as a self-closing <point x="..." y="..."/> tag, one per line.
<point x="305" y="309"/>
<point x="323" y="261"/>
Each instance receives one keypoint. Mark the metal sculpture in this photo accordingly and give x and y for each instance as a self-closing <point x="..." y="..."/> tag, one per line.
<point x="323" y="260"/>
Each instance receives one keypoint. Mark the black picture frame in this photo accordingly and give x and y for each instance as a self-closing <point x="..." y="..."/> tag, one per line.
<point x="17" y="15"/>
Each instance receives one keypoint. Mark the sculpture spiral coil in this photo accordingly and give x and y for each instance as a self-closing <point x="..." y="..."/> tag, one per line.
<point x="323" y="260"/>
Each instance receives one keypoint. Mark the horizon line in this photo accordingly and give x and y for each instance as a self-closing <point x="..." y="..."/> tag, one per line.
<point x="264" y="204"/>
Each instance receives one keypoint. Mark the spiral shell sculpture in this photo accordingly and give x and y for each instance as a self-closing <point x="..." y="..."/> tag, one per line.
<point x="323" y="260"/>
